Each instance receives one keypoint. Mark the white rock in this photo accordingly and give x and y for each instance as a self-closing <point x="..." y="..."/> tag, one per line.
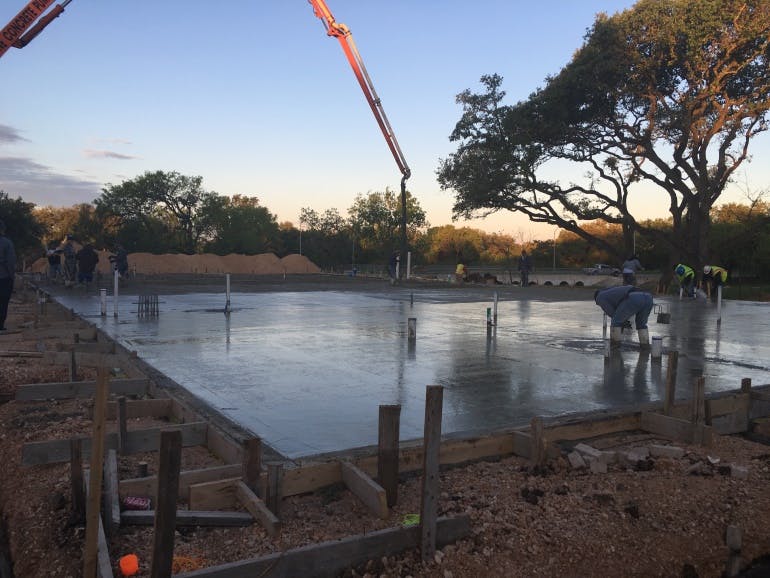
<point x="576" y="460"/>
<point x="739" y="472"/>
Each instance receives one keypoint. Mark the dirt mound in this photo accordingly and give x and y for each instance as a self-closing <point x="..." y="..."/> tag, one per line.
<point x="204" y="264"/>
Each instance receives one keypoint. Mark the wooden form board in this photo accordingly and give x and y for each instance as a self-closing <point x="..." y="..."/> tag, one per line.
<point x="677" y="429"/>
<point x="146" y="440"/>
<point x="371" y="494"/>
<point x="258" y="509"/>
<point x="83" y="359"/>
<point x="111" y="508"/>
<point x="330" y="558"/>
<point x="91" y="347"/>
<point x="148" y="486"/>
<point x="191" y="518"/>
<point x="103" y="560"/>
<point x="158" y="408"/>
<point x="216" y="495"/>
<point x="78" y="389"/>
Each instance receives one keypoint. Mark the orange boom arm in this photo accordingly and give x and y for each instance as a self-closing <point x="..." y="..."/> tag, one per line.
<point x="343" y="34"/>
<point x="14" y="32"/>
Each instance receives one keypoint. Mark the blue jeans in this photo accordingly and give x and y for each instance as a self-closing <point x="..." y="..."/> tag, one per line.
<point x="638" y="303"/>
<point x="6" y="288"/>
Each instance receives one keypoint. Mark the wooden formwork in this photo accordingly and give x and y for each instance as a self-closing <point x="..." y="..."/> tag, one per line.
<point x="213" y="489"/>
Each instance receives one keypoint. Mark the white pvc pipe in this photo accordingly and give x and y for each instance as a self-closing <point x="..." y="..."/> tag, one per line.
<point x="115" y="291"/>
<point x="103" y="299"/>
<point x="227" y="302"/>
<point x="408" y="264"/>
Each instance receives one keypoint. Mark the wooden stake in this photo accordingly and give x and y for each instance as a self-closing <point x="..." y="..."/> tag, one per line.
<point x="73" y="367"/>
<point x="122" y="427"/>
<point x="387" y="451"/>
<point x="252" y="463"/>
<point x="430" y="474"/>
<point x="746" y="388"/>
<point x="274" y="488"/>
<point x="673" y="362"/>
<point x="538" y="441"/>
<point x="170" y="461"/>
<point x="95" y="481"/>
<point x="699" y="409"/>
<point x="76" y="477"/>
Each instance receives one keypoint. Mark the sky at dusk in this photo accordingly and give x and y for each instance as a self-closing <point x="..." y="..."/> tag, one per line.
<point x="255" y="98"/>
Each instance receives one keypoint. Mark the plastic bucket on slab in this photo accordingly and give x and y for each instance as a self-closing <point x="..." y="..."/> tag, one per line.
<point x="657" y="347"/>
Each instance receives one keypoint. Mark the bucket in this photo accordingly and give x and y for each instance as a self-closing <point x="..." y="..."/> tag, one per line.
<point x="657" y="347"/>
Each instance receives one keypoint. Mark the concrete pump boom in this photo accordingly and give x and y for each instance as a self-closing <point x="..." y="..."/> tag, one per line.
<point x="17" y="32"/>
<point x="345" y="37"/>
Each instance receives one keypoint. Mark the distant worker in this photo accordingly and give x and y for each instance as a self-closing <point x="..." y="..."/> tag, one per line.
<point x="622" y="302"/>
<point x="70" y="261"/>
<point x="686" y="277"/>
<point x="714" y="276"/>
<point x="393" y="264"/>
<point x="87" y="259"/>
<point x="525" y="266"/>
<point x="460" y="272"/>
<point x="630" y="267"/>
<point x="120" y="261"/>
<point x="7" y="272"/>
<point x="53" y="254"/>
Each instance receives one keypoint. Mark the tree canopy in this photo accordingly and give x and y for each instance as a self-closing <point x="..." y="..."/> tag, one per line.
<point x="667" y="94"/>
<point x="169" y="205"/>
<point x="21" y="226"/>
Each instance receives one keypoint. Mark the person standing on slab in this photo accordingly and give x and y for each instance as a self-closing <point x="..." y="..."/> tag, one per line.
<point x="7" y="271"/>
<point x="525" y="266"/>
<point x="620" y="303"/>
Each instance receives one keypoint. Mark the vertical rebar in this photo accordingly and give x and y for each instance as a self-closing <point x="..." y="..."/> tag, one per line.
<point x="412" y="328"/>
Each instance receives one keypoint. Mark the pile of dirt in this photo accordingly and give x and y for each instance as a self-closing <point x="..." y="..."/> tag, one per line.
<point x="203" y="264"/>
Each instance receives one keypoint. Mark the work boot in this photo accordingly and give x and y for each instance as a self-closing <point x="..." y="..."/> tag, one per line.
<point x="616" y="337"/>
<point x="644" y="338"/>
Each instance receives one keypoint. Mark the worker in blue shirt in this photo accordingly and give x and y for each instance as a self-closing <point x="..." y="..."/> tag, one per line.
<point x="622" y="302"/>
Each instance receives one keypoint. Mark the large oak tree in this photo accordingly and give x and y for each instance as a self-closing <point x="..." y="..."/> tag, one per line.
<point x="667" y="94"/>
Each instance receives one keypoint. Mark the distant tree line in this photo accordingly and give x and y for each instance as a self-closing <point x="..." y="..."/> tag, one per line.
<point x="171" y="213"/>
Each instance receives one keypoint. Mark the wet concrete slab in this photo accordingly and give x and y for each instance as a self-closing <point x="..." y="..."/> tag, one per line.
<point x="307" y="371"/>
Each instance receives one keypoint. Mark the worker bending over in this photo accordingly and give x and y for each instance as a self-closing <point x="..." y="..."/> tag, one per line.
<point x="713" y="277"/>
<point x="686" y="277"/>
<point x="620" y="303"/>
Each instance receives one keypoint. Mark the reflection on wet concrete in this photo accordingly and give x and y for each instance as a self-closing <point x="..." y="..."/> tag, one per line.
<point x="307" y="371"/>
